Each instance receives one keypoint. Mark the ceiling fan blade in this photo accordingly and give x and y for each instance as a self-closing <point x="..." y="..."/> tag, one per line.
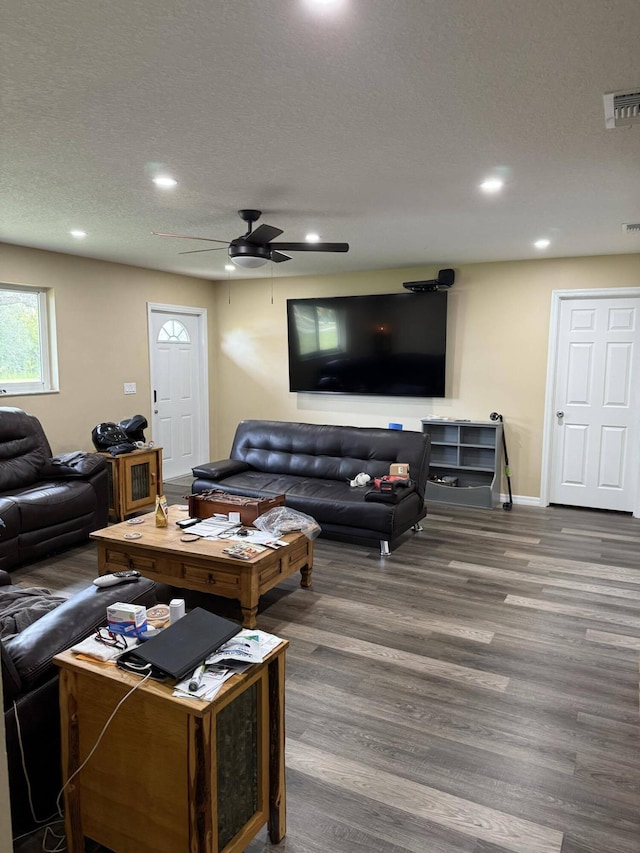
<point x="312" y="247"/>
<point x="262" y="235"/>
<point x="198" y="251"/>
<point x="279" y="257"/>
<point x="187" y="237"/>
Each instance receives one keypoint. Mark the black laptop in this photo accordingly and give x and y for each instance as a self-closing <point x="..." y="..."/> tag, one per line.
<point x="177" y="651"/>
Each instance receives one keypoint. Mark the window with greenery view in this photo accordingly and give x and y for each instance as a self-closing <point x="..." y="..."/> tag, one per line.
<point x="25" y="365"/>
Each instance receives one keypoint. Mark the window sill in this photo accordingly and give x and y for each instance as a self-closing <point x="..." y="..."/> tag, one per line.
<point x="4" y="395"/>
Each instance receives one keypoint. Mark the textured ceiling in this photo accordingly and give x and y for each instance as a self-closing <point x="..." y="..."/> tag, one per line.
<point x="372" y="123"/>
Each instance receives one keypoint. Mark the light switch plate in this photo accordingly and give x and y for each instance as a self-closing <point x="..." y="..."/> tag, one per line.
<point x="129" y="387"/>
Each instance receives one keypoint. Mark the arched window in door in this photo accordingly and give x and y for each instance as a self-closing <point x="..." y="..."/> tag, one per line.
<point x="173" y="332"/>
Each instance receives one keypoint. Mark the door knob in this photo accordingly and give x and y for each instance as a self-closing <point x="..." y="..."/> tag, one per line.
<point x="560" y="415"/>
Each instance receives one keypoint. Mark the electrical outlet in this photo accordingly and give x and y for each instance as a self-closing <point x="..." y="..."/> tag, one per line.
<point x="129" y="387"/>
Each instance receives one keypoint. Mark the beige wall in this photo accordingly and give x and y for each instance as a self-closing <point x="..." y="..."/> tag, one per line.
<point x="497" y="350"/>
<point x="101" y="320"/>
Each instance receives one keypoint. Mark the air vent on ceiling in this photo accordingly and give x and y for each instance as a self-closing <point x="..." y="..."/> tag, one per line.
<point x="631" y="227"/>
<point x="622" y="109"/>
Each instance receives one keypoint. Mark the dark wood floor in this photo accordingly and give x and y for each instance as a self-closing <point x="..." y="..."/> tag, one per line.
<point x="475" y="692"/>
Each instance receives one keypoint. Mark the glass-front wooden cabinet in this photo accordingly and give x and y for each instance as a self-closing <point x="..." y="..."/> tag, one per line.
<point x="135" y="480"/>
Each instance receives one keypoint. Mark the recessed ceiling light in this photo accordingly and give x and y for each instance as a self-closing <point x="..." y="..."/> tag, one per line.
<point x="165" y="182"/>
<point x="78" y="234"/>
<point x="542" y="244"/>
<point x="229" y="267"/>
<point x="312" y="238"/>
<point x="492" y="185"/>
<point x="324" y="4"/>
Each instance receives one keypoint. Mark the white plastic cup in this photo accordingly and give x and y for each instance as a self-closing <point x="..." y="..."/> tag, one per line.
<point x="176" y="610"/>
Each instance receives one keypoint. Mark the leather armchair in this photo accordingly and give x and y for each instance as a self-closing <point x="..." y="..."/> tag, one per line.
<point x="30" y="688"/>
<point x="47" y="503"/>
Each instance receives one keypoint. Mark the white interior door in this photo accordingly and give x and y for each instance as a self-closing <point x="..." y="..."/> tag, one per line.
<point x="179" y="386"/>
<point x="594" y="437"/>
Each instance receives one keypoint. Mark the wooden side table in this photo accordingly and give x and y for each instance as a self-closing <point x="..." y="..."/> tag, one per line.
<point x="172" y="775"/>
<point x="135" y="480"/>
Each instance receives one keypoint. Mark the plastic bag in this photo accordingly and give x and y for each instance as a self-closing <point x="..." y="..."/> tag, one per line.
<point x="282" y="519"/>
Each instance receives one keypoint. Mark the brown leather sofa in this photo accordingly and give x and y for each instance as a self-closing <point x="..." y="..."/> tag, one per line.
<point x="47" y="503"/>
<point x="30" y="688"/>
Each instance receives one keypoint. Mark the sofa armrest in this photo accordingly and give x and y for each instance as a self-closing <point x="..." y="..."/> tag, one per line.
<point x="32" y="650"/>
<point x="221" y="469"/>
<point x="5" y="578"/>
<point x="11" y="682"/>
<point x="73" y="465"/>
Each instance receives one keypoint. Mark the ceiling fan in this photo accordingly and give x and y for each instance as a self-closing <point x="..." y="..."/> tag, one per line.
<point x="255" y="248"/>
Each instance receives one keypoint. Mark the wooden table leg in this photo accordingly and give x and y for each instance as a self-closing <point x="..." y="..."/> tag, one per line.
<point x="201" y="795"/>
<point x="277" y="823"/>
<point x="249" y="617"/>
<point x="71" y="762"/>
<point x="305" y="571"/>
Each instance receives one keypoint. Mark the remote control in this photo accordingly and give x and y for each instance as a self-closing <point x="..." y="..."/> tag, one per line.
<point x="116" y="577"/>
<point x="187" y="522"/>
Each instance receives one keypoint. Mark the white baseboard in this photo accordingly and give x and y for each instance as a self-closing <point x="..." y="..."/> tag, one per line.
<point x="522" y="500"/>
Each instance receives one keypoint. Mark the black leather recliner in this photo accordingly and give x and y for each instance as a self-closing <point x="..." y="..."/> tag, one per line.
<point x="312" y="464"/>
<point x="30" y="691"/>
<point x="46" y="503"/>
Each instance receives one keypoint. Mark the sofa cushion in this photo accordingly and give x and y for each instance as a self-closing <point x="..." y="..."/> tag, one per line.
<point x="50" y="503"/>
<point x="328" y="501"/>
<point x="24" y="449"/>
<point x="20" y="463"/>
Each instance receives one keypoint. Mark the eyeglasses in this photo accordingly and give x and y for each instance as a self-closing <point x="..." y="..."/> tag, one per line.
<point x="242" y="531"/>
<point x="109" y="638"/>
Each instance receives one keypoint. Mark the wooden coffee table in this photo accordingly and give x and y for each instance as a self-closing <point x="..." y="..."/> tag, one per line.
<point x="202" y="565"/>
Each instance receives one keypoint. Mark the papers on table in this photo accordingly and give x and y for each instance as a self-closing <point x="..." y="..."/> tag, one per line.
<point x="222" y="528"/>
<point x="210" y="682"/>
<point x="251" y="537"/>
<point x="211" y="528"/>
<point x="250" y="646"/>
<point x="238" y="654"/>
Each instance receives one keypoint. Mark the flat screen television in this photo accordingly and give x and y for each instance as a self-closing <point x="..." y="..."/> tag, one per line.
<point x="391" y="344"/>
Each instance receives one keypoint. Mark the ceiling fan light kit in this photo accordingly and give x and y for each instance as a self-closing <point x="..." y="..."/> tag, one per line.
<point x="248" y="257"/>
<point x="255" y="248"/>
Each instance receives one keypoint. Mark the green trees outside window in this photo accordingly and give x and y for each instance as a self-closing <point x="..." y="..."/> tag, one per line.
<point x="20" y="341"/>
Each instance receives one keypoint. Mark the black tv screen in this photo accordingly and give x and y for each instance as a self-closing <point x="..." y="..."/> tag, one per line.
<point x="391" y="344"/>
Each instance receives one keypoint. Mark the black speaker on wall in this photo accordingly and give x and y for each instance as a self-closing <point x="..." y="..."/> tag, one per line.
<point x="445" y="278"/>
